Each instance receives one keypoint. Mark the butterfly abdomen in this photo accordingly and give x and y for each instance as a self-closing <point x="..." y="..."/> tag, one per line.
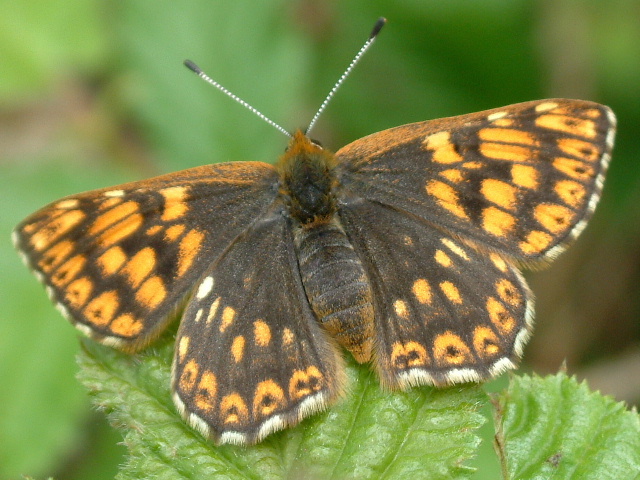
<point x="337" y="286"/>
<point x="333" y="277"/>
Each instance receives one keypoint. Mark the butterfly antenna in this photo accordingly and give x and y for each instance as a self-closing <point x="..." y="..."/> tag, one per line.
<point x="194" y="68"/>
<point x="374" y="33"/>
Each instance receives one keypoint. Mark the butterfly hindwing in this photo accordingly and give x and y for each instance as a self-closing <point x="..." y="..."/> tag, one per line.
<point x="250" y="356"/>
<point x="118" y="261"/>
<point x="523" y="179"/>
<point x="445" y="313"/>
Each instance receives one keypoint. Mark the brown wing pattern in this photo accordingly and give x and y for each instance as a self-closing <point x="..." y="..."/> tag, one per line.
<point x="522" y="179"/>
<point x="250" y="356"/>
<point x="118" y="261"/>
<point x="445" y="313"/>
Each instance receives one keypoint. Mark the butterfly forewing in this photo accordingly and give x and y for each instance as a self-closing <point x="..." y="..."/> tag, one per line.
<point x="445" y="313"/>
<point x="250" y="356"/>
<point x="118" y="261"/>
<point x="522" y="179"/>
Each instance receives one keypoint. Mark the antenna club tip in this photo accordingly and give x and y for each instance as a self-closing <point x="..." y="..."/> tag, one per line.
<point x="377" y="27"/>
<point x="192" y="66"/>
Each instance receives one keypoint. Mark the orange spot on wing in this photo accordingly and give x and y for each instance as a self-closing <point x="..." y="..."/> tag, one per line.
<point x="570" y="192"/>
<point x="188" y="376"/>
<point x="443" y="150"/>
<point x="446" y="197"/>
<point x="174" y="203"/>
<point x="525" y="176"/>
<point x="153" y="230"/>
<point x="233" y="409"/>
<point x="268" y="398"/>
<point x="422" y="291"/>
<point x="262" y="333"/>
<point x="78" y="292"/>
<point x="190" y="246"/>
<point x="512" y="153"/>
<point x="151" y="293"/>
<point x="68" y="270"/>
<point x="508" y="292"/>
<point x="207" y="391"/>
<point x="453" y="175"/>
<point x="126" y="325"/>
<point x="535" y="242"/>
<point x="237" y="348"/>
<point x="111" y="260"/>
<point x="400" y="307"/>
<point x="499" y="262"/>
<point x="497" y="222"/>
<point x="120" y="231"/>
<point x="485" y="342"/>
<point x="499" y="192"/>
<point x="305" y="382"/>
<point x="101" y="309"/>
<point x="507" y="135"/>
<point x="568" y="124"/>
<point x="443" y="259"/>
<point x="228" y="316"/>
<point x="173" y="232"/>
<point x="578" y="148"/>
<point x="115" y="215"/>
<point x="500" y="316"/>
<point x="50" y="232"/>
<point x="451" y="292"/>
<point x="140" y="266"/>
<point x="554" y="218"/>
<point x="287" y="337"/>
<point x="449" y="349"/>
<point x="574" y="168"/>
<point x="183" y="347"/>
<point x="54" y="255"/>
<point x="408" y="355"/>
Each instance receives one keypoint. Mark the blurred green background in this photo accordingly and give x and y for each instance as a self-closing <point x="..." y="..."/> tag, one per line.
<point x="93" y="93"/>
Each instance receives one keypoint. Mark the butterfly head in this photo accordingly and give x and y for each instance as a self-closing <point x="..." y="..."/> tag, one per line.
<point x="307" y="180"/>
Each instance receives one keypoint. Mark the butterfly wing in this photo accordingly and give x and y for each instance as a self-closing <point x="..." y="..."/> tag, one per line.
<point x="250" y="356"/>
<point x="118" y="261"/>
<point x="444" y="312"/>
<point x="522" y="179"/>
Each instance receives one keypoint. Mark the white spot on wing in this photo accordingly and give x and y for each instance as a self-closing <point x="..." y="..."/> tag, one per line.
<point x="205" y="288"/>
<point x="501" y="366"/>
<point x="85" y="329"/>
<point x="521" y="340"/>
<point x="414" y="378"/>
<point x="67" y="204"/>
<point x="546" y="106"/>
<point x="177" y="401"/>
<point x="271" y="425"/>
<point x="496" y="116"/>
<point x="15" y="238"/>
<point x="235" y="438"/>
<point x="114" y="193"/>
<point x="311" y="405"/>
<point x="462" y="375"/>
<point x="199" y="424"/>
<point x="112" y="342"/>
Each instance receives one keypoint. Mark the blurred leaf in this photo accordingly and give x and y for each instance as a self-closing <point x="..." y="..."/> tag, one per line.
<point x="554" y="427"/>
<point x="40" y="41"/>
<point x="370" y="434"/>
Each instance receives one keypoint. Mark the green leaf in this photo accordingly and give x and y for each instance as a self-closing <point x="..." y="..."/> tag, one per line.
<point x="424" y="433"/>
<point x="554" y="427"/>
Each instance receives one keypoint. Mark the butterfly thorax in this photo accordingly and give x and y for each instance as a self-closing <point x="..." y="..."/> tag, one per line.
<point x="307" y="180"/>
<point x="333" y="277"/>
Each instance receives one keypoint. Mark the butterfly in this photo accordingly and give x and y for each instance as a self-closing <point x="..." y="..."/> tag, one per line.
<point x="402" y="248"/>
